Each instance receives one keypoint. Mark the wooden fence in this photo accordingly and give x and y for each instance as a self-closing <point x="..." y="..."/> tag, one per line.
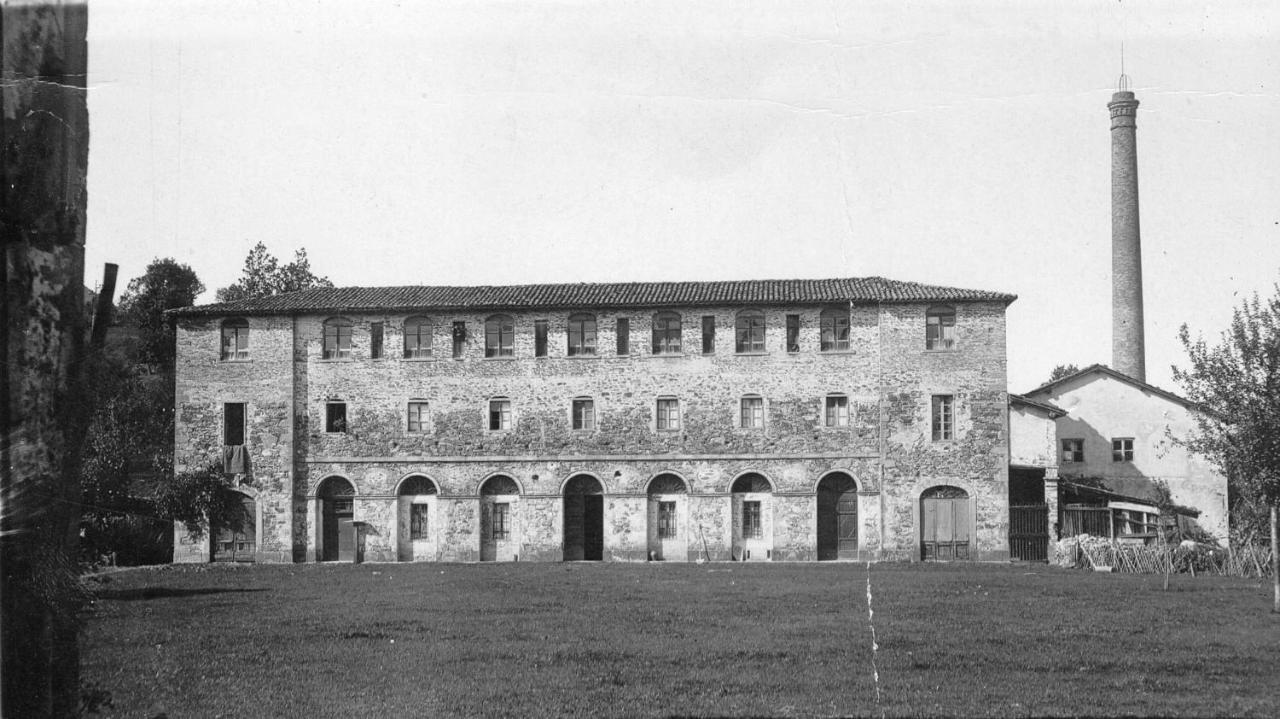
<point x="1142" y="559"/>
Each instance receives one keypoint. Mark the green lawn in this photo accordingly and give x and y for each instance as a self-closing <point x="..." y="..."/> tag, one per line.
<point x="652" y="639"/>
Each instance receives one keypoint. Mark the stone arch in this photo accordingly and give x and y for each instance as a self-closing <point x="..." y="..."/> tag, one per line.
<point x="946" y="522"/>
<point x="751" y="481"/>
<point x="410" y="483"/>
<point x="335" y="495"/>
<point x="583" y="498"/>
<point x="499" y="483"/>
<point x="666" y="483"/>
<point x="499" y="518"/>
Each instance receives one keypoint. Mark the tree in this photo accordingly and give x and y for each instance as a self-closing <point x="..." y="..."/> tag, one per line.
<point x="1237" y="382"/>
<point x="1062" y="370"/>
<point x="264" y="276"/>
<point x="165" y="285"/>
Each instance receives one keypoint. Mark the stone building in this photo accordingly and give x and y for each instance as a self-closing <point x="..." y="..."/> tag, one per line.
<point x="754" y="420"/>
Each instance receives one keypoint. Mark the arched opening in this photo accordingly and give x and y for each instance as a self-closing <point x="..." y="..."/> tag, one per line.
<point x="416" y="519"/>
<point x="499" y="538"/>
<point x="238" y="540"/>
<point x="337" y="520"/>
<point x="837" y="517"/>
<point x="668" y="507"/>
<point x="946" y="523"/>
<point x="583" y="519"/>
<point x="752" y="497"/>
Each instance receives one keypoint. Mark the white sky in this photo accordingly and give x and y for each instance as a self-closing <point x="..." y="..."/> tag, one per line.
<point x="480" y="142"/>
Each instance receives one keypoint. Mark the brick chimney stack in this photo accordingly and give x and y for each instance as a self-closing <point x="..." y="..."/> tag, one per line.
<point x="1128" y="351"/>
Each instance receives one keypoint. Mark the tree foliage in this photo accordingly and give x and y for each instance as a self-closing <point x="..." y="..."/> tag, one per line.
<point x="264" y="276"/>
<point x="200" y="499"/>
<point x="1062" y="370"/>
<point x="165" y="285"/>
<point x="1238" y="382"/>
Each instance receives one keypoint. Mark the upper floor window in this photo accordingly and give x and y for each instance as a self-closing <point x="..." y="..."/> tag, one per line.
<point x="836" y="412"/>
<point x="539" y="338"/>
<point x="582" y="334"/>
<point x="335" y="417"/>
<point x="235" y="339"/>
<point x="834" y="330"/>
<point x="337" y="339"/>
<point x="708" y="334"/>
<point x="418" y="416"/>
<point x="499" y="414"/>
<point x="499" y="336"/>
<point x="459" y="338"/>
<point x="375" y="340"/>
<point x="749" y="331"/>
<point x="417" y="337"/>
<point x="668" y="413"/>
<point x="666" y="333"/>
<point x="752" y="412"/>
<point x="1122" y="449"/>
<point x="623" y="332"/>
<point x="793" y="333"/>
<point x="1073" y="450"/>
<point x="944" y="420"/>
<point x="584" y="413"/>
<point x="940" y="328"/>
<point x="233" y="423"/>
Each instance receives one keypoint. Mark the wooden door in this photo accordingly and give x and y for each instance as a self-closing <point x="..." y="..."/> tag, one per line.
<point x="574" y="529"/>
<point x="593" y="527"/>
<point x="837" y="518"/>
<point x="947" y="528"/>
<point x="238" y="544"/>
<point x="1029" y="532"/>
<point x="847" y="523"/>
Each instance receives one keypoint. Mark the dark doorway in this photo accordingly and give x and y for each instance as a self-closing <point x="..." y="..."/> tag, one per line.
<point x="947" y="524"/>
<point x="337" y="526"/>
<point x="1028" y="515"/>
<point x="583" y="519"/>
<point x="837" y="517"/>
<point x="238" y="542"/>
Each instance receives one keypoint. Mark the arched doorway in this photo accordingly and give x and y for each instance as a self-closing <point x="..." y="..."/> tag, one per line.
<point x="946" y="523"/>
<point x="415" y="519"/>
<point x="668" y="499"/>
<point x="238" y="540"/>
<point x="499" y="540"/>
<point x="752" y="497"/>
<point x="837" y="517"/>
<point x="337" y="525"/>
<point x="583" y="519"/>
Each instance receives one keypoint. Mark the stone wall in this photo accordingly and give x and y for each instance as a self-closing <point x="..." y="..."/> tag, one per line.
<point x="887" y="376"/>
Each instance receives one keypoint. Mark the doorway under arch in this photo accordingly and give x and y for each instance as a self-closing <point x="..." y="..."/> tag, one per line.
<point x="946" y="523"/>
<point x="337" y="520"/>
<point x="499" y="538"/>
<point x="837" y="517"/>
<point x="415" y="519"/>
<point x="583" y="519"/>
<point x="752" y="497"/>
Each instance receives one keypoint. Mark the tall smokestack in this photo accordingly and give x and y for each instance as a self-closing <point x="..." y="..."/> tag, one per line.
<point x="1128" y="351"/>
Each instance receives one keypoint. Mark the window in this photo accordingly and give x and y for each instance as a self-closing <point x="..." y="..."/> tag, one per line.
<point x="417" y="416"/>
<point x="459" y="339"/>
<point x="584" y="413"/>
<point x="539" y="338"/>
<point x="1073" y="450"/>
<point x="708" y="335"/>
<point x="749" y="334"/>
<point x="624" y="336"/>
<point x="943" y="417"/>
<point x="235" y="340"/>
<point x="417" y="338"/>
<point x="418" y="527"/>
<point x="499" y="414"/>
<point x="752" y="527"/>
<point x="668" y="413"/>
<point x="500" y="524"/>
<point x="1122" y="449"/>
<point x="793" y="333"/>
<point x="940" y="328"/>
<point x="337" y="339"/>
<point x="499" y="336"/>
<point x="666" y="333"/>
<point x="666" y="520"/>
<point x="752" y="412"/>
<point x="837" y="411"/>
<point x="233" y="423"/>
<point x="375" y="340"/>
<point x="582" y="335"/>
<point x="335" y="417"/>
<point x="834" y="332"/>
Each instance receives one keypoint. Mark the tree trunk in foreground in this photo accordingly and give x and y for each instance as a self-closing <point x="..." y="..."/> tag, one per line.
<point x="1275" y="561"/>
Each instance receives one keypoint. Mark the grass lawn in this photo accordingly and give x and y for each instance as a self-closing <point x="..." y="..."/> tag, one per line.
<point x="661" y="639"/>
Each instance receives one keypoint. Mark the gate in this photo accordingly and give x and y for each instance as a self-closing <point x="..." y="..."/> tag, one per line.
<point x="1029" y="532"/>
<point x="947" y="524"/>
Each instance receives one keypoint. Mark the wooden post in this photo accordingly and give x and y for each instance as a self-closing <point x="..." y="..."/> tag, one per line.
<point x="1275" y="560"/>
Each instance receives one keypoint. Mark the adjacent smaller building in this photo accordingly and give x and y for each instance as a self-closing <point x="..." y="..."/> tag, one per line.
<point x="1115" y="441"/>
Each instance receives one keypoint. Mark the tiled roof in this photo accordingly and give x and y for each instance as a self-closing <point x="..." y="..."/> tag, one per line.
<point x="601" y="296"/>
<point x="1047" y="388"/>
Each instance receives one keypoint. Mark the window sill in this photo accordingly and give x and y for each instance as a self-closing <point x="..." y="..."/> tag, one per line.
<point x="940" y="351"/>
<point x="752" y="354"/>
<point x="668" y="355"/>
<point x="837" y="352"/>
<point x="499" y="359"/>
<point x="581" y="357"/>
<point x="418" y="359"/>
<point x="224" y="360"/>
<point x="336" y="360"/>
